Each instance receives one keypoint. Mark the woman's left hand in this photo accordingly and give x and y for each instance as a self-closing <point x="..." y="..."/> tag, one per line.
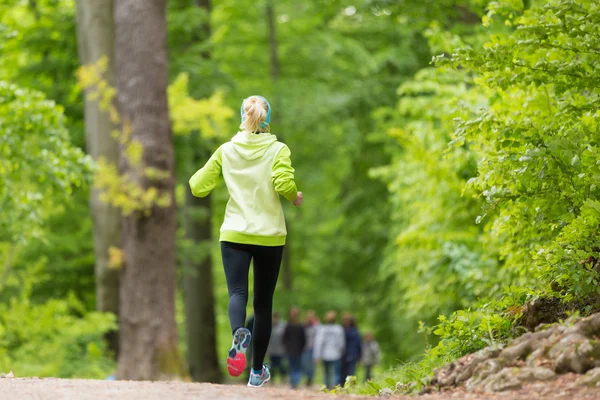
<point x="298" y="200"/>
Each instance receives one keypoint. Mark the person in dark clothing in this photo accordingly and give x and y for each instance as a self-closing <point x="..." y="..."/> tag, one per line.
<point x="353" y="348"/>
<point x="294" y="340"/>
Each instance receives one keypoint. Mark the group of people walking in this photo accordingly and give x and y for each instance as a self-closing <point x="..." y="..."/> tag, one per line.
<point x="297" y="347"/>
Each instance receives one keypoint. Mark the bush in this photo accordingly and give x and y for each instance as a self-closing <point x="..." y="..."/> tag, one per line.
<point x="57" y="338"/>
<point x="533" y="193"/>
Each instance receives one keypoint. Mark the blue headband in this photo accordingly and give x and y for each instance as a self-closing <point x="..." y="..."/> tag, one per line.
<point x="267" y="120"/>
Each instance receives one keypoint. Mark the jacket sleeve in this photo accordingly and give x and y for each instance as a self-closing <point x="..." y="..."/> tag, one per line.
<point x="205" y="180"/>
<point x="283" y="174"/>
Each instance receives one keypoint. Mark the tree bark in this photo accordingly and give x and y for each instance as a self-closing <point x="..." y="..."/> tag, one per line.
<point x="197" y="283"/>
<point x="95" y="36"/>
<point x="148" y="331"/>
<point x="275" y="73"/>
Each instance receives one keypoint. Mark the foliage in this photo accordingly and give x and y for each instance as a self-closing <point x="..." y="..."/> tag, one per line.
<point x="39" y="52"/>
<point x="535" y="141"/>
<point x="464" y="190"/>
<point x="539" y="141"/>
<point x="126" y="192"/>
<point x="55" y="338"/>
<point x="40" y="169"/>
<point x="208" y="116"/>
<point x="510" y="212"/>
<point x="39" y="166"/>
<point x="123" y="191"/>
<point x="437" y="259"/>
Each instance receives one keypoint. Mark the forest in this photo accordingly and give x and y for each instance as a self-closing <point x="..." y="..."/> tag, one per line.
<point x="448" y="152"/>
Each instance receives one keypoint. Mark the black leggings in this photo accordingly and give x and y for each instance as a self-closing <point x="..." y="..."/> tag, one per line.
<point x="236" y="262"/>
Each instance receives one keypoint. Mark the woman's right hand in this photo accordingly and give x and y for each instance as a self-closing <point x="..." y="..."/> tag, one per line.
<point x="298" y="200"/>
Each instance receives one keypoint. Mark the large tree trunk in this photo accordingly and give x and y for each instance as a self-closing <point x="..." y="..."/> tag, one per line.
<point x="148" y="332"/>
<point x="197" y="283"/>
<point x="275" y="72"/>
<point x="95" y="35"/>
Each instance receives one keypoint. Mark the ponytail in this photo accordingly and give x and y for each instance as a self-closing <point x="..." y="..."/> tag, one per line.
<point x="256" y="114"/>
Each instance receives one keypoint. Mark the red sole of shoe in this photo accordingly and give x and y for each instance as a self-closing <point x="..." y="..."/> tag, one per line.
<point x="236" y="365"/>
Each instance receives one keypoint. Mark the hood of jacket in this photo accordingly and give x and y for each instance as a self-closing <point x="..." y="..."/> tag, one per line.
<point x="252" y="146"/>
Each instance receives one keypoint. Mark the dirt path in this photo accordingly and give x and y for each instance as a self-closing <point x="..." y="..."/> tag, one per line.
<point x="57" y="389"/>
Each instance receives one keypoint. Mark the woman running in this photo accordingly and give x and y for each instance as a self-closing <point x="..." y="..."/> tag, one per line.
<point x="256" y="169"/>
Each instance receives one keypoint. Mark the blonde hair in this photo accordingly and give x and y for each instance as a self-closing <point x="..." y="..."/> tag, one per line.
<point x="255" y="114"/>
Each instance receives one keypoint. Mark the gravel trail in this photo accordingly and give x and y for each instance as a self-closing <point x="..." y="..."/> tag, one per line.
<point x="65" y="389"/>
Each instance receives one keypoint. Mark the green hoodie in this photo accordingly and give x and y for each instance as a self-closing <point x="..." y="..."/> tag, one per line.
<point x="255" y="167"/>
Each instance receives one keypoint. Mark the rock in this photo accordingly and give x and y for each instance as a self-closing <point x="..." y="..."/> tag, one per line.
<point x="542" y="311"/>
<point x="462" y="369"/>
<point x="479" y="358"/>
<point x="590" y="326"/>
<point x="570" y="347"/>
<point x="523" y="338"/>
<point x="535" y="374"/>
<point x="386" y="392"/>
<point x="445" y="376"/>
<point x="9" y="375"/>
<point x="591" y="378"/>
<point x="490" y="377"/>
<point x="575" y="353"/>
<point x="501" y="381"/>
<point x="536" y="357"/>
<point x="482" y="372"/>
<point x="519" y="351"/>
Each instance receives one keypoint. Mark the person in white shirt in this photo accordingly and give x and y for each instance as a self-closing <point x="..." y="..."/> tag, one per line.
<point x="330" y="343"/>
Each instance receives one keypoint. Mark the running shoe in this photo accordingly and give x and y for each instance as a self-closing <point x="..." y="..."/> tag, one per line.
<point x="236" y="360"/>
<point x="257" y="381"/>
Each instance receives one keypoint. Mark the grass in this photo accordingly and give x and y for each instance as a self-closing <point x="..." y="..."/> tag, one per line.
<point x="407" y="378"/>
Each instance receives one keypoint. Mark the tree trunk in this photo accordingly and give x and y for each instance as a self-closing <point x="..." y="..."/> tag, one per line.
<point x="95" y="35"/>
<point x="148" y="331"/>
<point x="275" y="71"/>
